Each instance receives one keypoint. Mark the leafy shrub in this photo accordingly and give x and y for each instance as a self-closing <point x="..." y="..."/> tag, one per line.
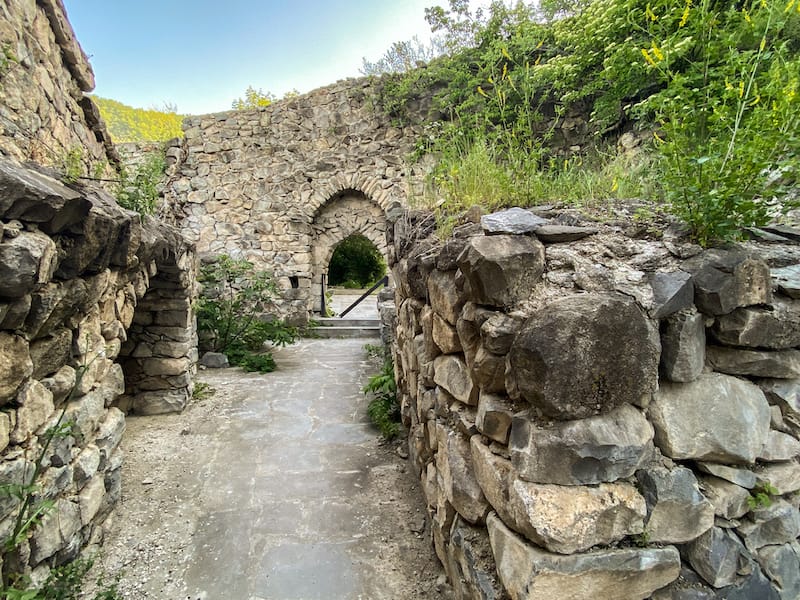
<point x="384" y="409"/>
<point x="128" y="124"/>
<point x="139" y="189"/>
<point x="229" y="312"/>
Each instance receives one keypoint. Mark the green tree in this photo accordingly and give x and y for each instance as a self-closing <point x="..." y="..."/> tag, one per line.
<point x="356" y="263"/>
<point x="404" y="56"/>
<point x="253" y="98"/>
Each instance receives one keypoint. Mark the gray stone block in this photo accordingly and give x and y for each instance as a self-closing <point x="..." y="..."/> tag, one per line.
<point x="702" y="420"/>
<point x="582" y="452"/>
<point x="584" y="355"/>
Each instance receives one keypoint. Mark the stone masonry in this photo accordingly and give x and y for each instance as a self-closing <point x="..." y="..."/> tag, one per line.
<point x="44" y="114"/>
<point x="597" y="416"/>
<point x="283" y="185"/>
<point x="95" y="316"/>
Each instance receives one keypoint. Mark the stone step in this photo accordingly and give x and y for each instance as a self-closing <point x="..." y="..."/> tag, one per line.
<point x="347" y="332"/>
<point x="338" y="323"/>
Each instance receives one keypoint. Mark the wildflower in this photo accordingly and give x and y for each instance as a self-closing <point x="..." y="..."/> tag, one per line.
<point x="650" y="14"/>
<point x="657" y="52"/>
<point x="741" y="88"/>
<point x="747" y="15"/>
<point x="648" y="58"/>
<point x="505" y="70"/>
<point x="658" y="137"/>
<point x="482" y="93"/>
<point x="756" y="100"/>
<point x="685" y="16"/>
<point x="763" y="44"/>
<point x="615" y="185"/>
<point x="790" y="6"/>
<point x="504" y="52"/>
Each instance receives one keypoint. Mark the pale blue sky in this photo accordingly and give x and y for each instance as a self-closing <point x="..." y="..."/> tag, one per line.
<point x="201" y="54"/>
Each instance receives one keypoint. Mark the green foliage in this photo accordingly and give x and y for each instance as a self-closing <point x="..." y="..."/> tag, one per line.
<point x="72" y="164"/>
<point x="128" y="124"/>
<point x="253" y="98"/>
<point x="384" y="409"/>
<point x="729" y="111"/>
<point x="139" y="188"/>
<point x="356" y="263"/>
<point x="202" y="391"/>
<point x="229" y="310"/>
<point x="761" y="496"/>
<point x="7" y="58"/>
<point x="719" y="80"/>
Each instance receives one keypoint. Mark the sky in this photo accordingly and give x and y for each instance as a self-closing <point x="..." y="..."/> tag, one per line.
<point x="200" y="55"/>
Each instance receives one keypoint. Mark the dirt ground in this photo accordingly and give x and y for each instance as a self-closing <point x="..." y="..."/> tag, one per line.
<point x="178" y="532"/>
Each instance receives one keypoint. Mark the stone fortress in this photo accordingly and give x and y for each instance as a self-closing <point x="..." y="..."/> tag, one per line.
<point x="592" y="415"/>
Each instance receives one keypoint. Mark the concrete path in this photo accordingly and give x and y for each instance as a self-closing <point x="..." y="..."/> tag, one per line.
<point x="296" y="497"/>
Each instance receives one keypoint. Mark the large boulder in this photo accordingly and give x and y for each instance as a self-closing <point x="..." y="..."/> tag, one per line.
<point x="33" y="197"/>
<point x="717" y="418"/>
<point x="529" y="573"/>
<point x="502" y="269"/>
<point x="586" y="451"/>
<point x="584" y="355"/>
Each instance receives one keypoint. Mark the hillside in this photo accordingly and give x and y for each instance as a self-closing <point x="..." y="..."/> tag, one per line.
<point x="128" y="124"/>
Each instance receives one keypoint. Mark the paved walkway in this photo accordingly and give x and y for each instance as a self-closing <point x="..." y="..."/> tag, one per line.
<point x="342" y="298"/>
<point x="297" y="500"/>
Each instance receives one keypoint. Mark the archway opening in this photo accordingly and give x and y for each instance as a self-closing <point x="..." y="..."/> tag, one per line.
<point x="356" y="263"/>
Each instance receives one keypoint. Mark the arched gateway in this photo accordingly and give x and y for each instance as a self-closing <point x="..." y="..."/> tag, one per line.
<point x="282" y="186"/>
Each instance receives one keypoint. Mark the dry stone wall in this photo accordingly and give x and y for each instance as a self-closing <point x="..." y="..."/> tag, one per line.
<point x="95" y="320"/>
<point x="597" y="416"/>
<point x="45" y="117"/>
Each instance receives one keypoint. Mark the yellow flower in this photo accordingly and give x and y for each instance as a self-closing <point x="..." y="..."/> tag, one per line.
<point x="537" y="61"/>
<point x="650" y="14"/>
<point x="756" y="100"/>
<point x="648" y="58"/>
<point x="685" y="15"/>
<point x="763" y="44"/>
<point x="657" y="52"/>
<point x="747" y="15"/>
<point x="539" y="45"/>
<point x="658" y="137"/>
<point x="790" y="6"/>
<point x="614" y="185"/>
<point x="504" y="52"/>
<point x="505" y="70"/>
<point x="481" y="92"/>
<point x="741" y="88"/>
<point x="728" y="85"/>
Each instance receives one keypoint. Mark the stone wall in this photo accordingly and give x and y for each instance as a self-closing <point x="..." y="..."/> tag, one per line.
<point x="597" y="416"/>
<point x="44" y="115"/>
<point x="283" y="185"/>
<point x="95" y="315"/>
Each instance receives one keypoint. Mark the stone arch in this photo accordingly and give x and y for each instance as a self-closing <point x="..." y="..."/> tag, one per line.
<point x="375" y="188"/>
<point x="347" y="212"/>
<point x="159" y="356"/>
